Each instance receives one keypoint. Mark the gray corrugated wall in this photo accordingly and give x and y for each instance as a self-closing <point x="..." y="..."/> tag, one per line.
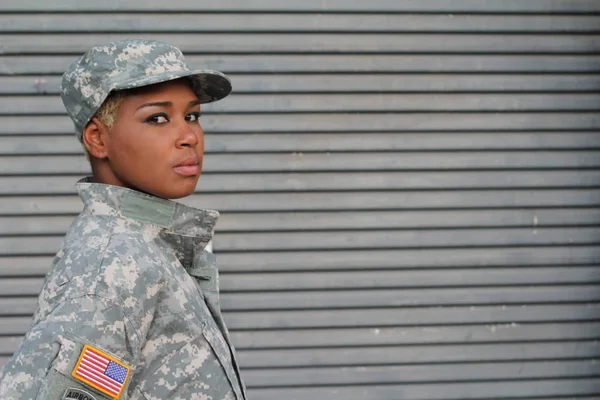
<point x="410" y="190"/>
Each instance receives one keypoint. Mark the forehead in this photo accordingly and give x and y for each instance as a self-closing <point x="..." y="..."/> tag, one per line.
<point x="174" y="87"/>
<point x="175" y="93"/>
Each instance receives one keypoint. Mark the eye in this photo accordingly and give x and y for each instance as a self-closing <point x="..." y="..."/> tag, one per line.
<point x="193" y="117"/>
<point x="157" y="119"/>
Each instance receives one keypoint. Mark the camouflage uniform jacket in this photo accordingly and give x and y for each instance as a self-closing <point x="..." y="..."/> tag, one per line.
<point x="133" y="283"/>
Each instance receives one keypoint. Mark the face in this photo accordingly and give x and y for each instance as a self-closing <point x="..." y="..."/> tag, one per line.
<point x="156" y="144"/>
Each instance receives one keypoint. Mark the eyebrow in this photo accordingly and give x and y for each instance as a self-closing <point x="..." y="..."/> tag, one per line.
<point x="167" y="104"/>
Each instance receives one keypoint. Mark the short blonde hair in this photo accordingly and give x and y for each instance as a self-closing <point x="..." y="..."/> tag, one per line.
<point x="107" y="114"/>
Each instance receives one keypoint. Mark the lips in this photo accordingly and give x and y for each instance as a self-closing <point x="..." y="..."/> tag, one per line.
<point x="188" y="167"/>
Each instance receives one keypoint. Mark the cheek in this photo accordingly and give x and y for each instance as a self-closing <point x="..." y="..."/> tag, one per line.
<point x="130" y="149"/>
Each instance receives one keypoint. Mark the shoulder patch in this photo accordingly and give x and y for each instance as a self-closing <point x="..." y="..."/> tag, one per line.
<point x="101" y="371"/>
<point x="78" y="394"/>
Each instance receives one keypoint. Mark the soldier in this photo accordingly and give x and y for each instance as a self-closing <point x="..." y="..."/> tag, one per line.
<point x="130" y="308"/>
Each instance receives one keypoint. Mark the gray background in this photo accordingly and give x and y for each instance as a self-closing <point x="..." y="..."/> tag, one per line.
<point x="409" y="189"/>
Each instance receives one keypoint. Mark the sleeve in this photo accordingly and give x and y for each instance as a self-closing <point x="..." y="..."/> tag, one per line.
<point x="50" y="364"/>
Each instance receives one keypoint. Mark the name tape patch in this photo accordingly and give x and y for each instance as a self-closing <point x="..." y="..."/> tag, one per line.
<point x="101" y="371"/>
<point x="78" y="394"/>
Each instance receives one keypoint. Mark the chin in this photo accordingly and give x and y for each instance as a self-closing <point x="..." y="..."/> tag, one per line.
<point x="180" y="190"/>
<point x="168" y="187"/>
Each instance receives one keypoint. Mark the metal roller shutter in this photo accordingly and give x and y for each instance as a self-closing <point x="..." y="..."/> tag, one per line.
<point x="410" y="190"/>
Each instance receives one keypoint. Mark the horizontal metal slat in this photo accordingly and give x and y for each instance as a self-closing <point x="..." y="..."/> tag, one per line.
<point x="402" y="219"/>
<point x="340" y="122"/>
<point x="352" y="220"/>
<point x="365" y="103"/>
<point x="436" y="6"/>
<point x="349" y="240"/>
<point x="406" y="239"/>
<point x="342" y="162"/>
<point x="263" y="340"/>
<point x="306" y="22"/>
<point x="359" y="259"/>
<point x="341" y="63"/>
<point x="380" y="317"/>
<point x="339" y="142"/>
<point x="356" y="83"/>
<point x="15" y="326"/>
<point x="435" y="374"/>
<point x="325" y="201"/>
<point x="19" y="266"/>
<point x="351" y="298"/>
<point x="237" y="283"/>
<point x="338" y="299"/>
<point x="228" y="43"/>
<point x="412" y="316"/>
<point x="409" y="258"/>
<point x="536" y="389"/>
<point x="415" y="336"/>
<point x="369" y="280"/>
<point x="263" y="358"/>
<point x="331" y="181"/>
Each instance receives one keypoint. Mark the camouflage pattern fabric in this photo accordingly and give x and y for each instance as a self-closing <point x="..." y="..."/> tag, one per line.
<point x="129" y="64"/>
<point x="132" y="279"/>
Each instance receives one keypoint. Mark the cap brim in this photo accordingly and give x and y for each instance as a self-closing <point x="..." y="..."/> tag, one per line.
<point x="209" y="85"/>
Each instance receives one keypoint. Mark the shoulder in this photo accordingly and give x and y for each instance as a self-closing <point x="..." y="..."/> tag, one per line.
<point x="101" y="257"/>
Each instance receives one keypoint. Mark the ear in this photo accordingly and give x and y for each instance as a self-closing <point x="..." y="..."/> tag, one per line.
<point x="95" y="138"/>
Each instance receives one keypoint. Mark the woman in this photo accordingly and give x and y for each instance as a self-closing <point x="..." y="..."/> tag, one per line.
<point x="130" y="307"/>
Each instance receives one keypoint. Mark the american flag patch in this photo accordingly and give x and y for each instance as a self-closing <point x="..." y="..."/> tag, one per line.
<point x="101" y="371"/>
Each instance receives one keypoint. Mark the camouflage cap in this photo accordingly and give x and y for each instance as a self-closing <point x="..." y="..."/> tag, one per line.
<point x="128" y="64"/>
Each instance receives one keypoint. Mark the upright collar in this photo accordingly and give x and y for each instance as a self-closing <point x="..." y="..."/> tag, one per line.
<point x="117" y="201"/>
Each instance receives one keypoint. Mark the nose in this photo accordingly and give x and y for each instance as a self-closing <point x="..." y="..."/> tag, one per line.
<point x="188" y="135"/>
